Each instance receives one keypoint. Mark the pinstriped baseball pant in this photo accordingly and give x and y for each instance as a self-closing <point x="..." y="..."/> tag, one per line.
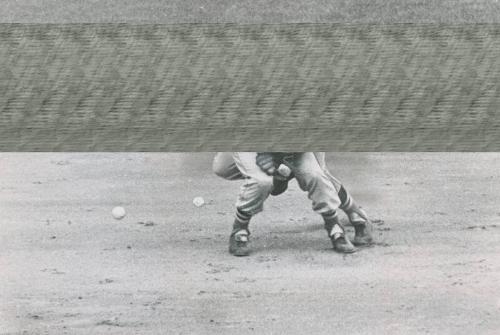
<point x="309" y="169"/>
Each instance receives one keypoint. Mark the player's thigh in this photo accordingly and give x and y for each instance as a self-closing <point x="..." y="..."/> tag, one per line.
<point x="247" y="164"/>
<point x="321" y="157"/>
<point x="257" y="186"/>
<point x="306" y="163"/>
<point x="225" y="167"/>
<point x="308" y="172"/>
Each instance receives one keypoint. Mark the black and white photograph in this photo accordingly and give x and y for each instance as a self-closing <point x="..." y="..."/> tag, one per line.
<point x="249" y="167"/>
<point x="235" y="242"/>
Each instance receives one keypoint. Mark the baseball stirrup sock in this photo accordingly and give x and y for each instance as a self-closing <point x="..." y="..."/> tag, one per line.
<point x="330" y="218"/>
<point x="242" y="220"/>
<point x="348" y="205"/>
<point x="346" y="201"/>
<point x="332" y="225"/>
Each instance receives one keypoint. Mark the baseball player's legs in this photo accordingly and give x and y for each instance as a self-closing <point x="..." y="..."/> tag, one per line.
<point x="313" y="179"/>
<point x="312" y="176"/>
<point x="356" y="215"/>
<point x="347" y="203"/>
<point x="253" y="193"/>
<point x="321" y="157"/>
<point x="257" y="186"/>
<point x="325" y="200"/>
<point x="225" y="167"/>
<point x="344" y="195"/>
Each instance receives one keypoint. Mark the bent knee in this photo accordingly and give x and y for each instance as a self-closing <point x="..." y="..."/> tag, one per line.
<point x="254" y="194"/>
<point x="219" y="169"/>
<point x="263" y="184"/>
<point x="258" y="188"/>
<point x="225" y="167"/>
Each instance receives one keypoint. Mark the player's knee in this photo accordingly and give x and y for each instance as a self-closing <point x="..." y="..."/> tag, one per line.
<point x="256" y="191"/>
<point x="218" y="169"/>
<point x="260" y="187"/>
<point x="224" y="169"/>
<point x="264" y="185"/>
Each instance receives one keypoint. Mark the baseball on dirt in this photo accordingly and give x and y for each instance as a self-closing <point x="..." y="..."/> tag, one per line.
<point x="118" y="212"/>
<point x="198" y="201"/>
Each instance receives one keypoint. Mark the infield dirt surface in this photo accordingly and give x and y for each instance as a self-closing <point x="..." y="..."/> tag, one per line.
<point x="68" y="267"/>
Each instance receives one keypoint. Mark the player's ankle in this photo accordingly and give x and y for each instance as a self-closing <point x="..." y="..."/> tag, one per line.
<point x="331" y="219"/>
<point x="241" y="220"/>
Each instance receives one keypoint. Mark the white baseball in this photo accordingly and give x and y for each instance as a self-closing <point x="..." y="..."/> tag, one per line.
<point x="198" y="201"/>
<point x="118" y="212"/>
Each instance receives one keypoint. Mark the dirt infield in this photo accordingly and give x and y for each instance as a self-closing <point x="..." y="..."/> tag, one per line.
<point x="68" y="267"/>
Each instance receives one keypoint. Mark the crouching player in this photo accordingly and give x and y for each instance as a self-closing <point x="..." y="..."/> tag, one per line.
<point x="259" y="170"/>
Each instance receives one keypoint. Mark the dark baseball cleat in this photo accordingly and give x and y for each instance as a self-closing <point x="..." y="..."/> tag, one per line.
<point x="279" y="186"/>
<point x="342" y="244"/>
<point x="362" y="230"/>
<point x="238" y="243"/>
<point x="362" y="235"/>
